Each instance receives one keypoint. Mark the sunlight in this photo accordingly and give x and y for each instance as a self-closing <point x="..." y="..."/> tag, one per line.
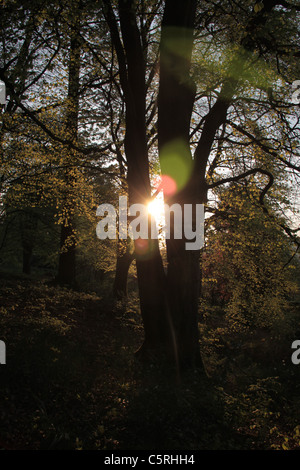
<point x="156" y="208"/>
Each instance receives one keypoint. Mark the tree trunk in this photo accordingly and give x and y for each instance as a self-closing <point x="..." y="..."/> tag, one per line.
<point x="150" y="272"/>
<point x="28" y="227"/>
<point x="27" y="255"/>
<point x="183" y="281"/>
<point x="67" y="256"/>
<point x="125" y="256"/>
<point x="158" y="343"/>
<point x="67" y="260"/>
<point x="175" y="105"/>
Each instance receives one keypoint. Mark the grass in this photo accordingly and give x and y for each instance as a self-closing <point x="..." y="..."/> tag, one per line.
<point x="71" y="382"/>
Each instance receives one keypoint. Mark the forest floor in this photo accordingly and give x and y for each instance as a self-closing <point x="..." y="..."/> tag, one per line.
<point x="71" y="381"/>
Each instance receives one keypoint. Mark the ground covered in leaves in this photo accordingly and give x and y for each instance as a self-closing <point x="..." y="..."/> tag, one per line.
<point x="71" y="382"/>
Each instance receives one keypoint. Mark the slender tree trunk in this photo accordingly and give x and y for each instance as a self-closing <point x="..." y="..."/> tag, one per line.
<point x="125" y="256"/>
<point x="28" y="227"/>
<point x="67" y="256"/>
<point x="27" y="255"/>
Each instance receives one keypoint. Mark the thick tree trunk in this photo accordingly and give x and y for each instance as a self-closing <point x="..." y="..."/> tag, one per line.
<point x="158" y="329"/>
<point x="183" y="281"/>
<point x="175" y="105"/>
<point x="150" y="272"/>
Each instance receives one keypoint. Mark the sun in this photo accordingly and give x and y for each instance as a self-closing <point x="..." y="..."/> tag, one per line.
<point x="156" y="208"/>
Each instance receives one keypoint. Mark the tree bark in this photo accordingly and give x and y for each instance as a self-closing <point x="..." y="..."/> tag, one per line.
<point x="27" y="255"/>
<point x="125" y="256"/>
<point x="28" y="227"/>
<point x="67" y="257"/>
<point x="150" y="271"/>
<point x="175" y="105"/>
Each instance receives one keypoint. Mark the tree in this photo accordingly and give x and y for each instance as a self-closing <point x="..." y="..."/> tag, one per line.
<point x="48" y="70"/>
<point x="133" y="82"/>
<point x="67" y="258"/>
<point x="246" y="261"/>
<point x="169" y="306"/>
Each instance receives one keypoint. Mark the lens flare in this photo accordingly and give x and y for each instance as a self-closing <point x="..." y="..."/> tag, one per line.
<point x="168" y="185"/>
<point x="141" y="246"/>
<point x="177" y="164"/>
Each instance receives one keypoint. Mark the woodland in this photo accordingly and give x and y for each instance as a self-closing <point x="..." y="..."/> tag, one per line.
<point x="142" y="344"/>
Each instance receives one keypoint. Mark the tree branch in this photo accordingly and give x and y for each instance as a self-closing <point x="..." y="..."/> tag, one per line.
<point x="263" y="146"/>
<point x="32" y="115"/>
<point x="253" y="171"/>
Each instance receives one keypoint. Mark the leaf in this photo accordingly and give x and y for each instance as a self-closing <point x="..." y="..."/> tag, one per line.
<point x="258" y="7"/>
